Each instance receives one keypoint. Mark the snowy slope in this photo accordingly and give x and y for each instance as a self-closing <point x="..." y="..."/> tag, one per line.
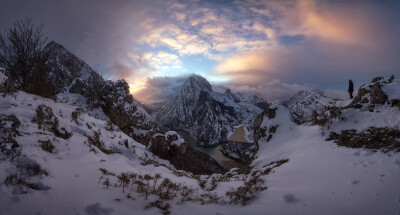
<point x="319" y="176"/>
<point x="71" y="177"/>
<point x="323" y="177"/>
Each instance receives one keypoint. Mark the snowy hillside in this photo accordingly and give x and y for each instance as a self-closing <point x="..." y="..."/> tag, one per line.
<point x="60" y="159"/>
<point x="57" y="158"/>
<point x="330" y="171"/>
<point x="208" y="116"/>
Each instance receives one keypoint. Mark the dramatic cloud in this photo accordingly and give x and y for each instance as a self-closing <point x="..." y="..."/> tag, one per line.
<point x="268" y="47"/>
<point x="273" y="89"/>
<point x="320" y="45"/>
<point x="157" y="89"/>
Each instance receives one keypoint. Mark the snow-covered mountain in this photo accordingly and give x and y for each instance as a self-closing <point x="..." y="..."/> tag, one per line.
<point x="68" y="72"/>
<point x="72" y="75"/>
<point x="303" y="103"/>
<point x="206" y="115"/>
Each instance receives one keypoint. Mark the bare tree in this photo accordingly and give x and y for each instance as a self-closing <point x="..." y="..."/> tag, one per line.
<point x="22" y="53"/>
<point x="124" y="180"/>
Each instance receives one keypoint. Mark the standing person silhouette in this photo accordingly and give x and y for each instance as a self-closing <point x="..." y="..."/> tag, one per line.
<point x="351" y="88"/>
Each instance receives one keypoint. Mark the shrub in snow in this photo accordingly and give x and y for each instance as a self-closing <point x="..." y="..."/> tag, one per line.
<point x="46" y="120"/>
<point x="326" y="116"/>
<point x="109" y="126"/>
<point x="9" y="147"/>
<point x="75" y="115"/>
<point x="123" y="180"/>
<point x="95" y="141"/>
<point x="186" y="193"/>
<point x="47" y="146"/>
<point x="106" y="182"/>
<point x="25" y="170"/>
<point x="162" y="190"/>
<point x="253" y="184"/>
<point x="106" y="172"/>
<point x="385" y="139"/>
<point x="248" y="192"/>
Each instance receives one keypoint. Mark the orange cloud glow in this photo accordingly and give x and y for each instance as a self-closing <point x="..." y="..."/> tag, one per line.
<point x="328" y="23"/>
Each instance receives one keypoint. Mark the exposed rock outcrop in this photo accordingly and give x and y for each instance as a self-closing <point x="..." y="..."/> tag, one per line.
<point x="172" y="147"/>
<point x="125" y="112"/>
<point x="304" y="103"/>
<point x="372" y="94"/>
<point x="239" y="151"/>
<point x="73" y="75"/>
<point x="260" y="131"/>
<point x="68" y="72"/>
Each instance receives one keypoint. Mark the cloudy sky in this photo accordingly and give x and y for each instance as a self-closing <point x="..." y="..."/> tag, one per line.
<point x="272" y="48"/>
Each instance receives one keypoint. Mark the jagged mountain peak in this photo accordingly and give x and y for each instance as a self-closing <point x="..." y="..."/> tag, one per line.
<point x="303" y="103"/>
<point x="312" y="92"/>
<point x="209" y="116"/>
<point x="196" y="83"/>
<point x="53" y="44"/>
<point x="67" y="70"/>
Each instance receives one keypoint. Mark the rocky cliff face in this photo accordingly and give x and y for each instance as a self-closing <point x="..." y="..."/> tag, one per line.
<point x="372" y="94"/>
<point x="125" y="112"/>
<point x="172" y="147"/>
<point x="206" y="115"/>
<point x="68" y="72"/>
<point x="304" y="103"/>
<point x="262" y="131"/>
<point x="71" y="74"/>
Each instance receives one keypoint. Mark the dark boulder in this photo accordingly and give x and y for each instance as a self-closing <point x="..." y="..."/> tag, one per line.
<point x="376" y="79"/>
<point x="239" y="151"/>
<point x="377" y="95"/>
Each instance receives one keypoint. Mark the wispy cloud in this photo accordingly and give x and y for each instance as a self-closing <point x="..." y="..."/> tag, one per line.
<point x="258" y="45"/>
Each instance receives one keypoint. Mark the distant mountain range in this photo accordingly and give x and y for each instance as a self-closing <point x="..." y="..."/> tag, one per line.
<point x="207" y="115"/>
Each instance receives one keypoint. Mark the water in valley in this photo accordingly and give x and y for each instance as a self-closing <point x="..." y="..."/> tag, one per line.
<point x="224" y="161"/>
<point x="212" y="151"/>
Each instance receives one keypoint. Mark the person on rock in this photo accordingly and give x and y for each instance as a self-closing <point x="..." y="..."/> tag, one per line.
<point x="351" y="88"/>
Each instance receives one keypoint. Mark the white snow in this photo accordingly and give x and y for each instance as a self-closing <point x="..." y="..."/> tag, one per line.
<point x="3" y="77"/>
<point x="392" y="89"/>
<point x="320" y="177"/>
<point x="177" y="142"/>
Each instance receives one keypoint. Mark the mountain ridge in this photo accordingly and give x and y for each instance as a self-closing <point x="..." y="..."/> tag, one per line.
<point x="207" y="115"/>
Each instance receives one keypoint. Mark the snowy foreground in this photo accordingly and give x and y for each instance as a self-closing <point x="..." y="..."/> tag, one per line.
<point x="319" y="177"/>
